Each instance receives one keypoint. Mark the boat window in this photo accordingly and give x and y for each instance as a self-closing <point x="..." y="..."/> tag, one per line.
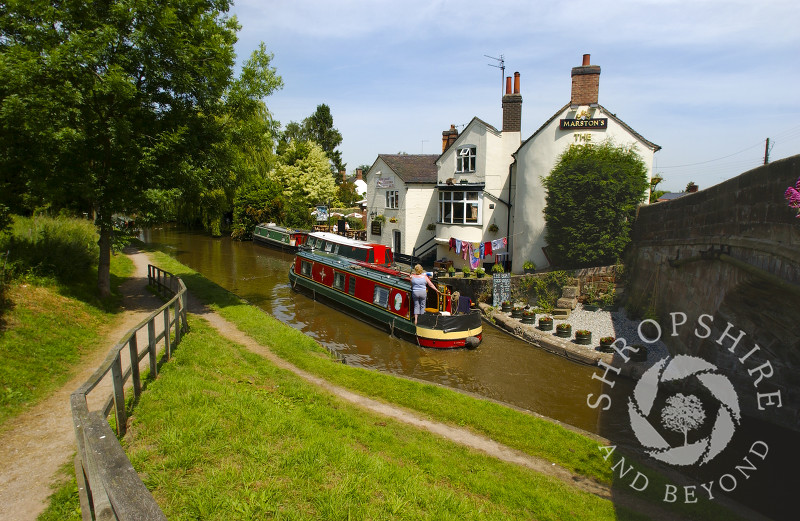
<point x="351" y="287"/>
<point x="381" y="297"/>
<point x="336" y="249"/>
<point x="328" y="246"/>
<point x="305" y="268"/>
<point x="338" y="280"/>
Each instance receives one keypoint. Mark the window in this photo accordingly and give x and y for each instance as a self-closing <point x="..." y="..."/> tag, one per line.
<point x="305" y="268"/>
<point x="338" y="280"/>
<point x="381" y="296"/>
<point x="351" y="286"/>
<point x="465" y="160"/>
<point x="392" y="199"/>
<point x="460" y="207"/>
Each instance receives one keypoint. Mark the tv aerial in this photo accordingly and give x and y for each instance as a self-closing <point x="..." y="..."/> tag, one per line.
<point x="501" y="64"/>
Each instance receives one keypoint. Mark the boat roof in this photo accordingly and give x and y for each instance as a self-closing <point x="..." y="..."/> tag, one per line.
<point x="339" y="239"/>
<point x="379" y="273"/>
<point x="274" y="226"/>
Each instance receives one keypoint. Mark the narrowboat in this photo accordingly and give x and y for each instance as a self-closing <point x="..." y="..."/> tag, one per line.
<point x="358" y="278"/>
<point x="284" y="239"/>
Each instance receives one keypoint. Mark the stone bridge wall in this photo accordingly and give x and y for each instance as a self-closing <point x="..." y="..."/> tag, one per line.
<point x="755" y="287"/>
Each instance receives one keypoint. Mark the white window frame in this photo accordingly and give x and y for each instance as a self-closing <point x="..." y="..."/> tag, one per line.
<point x="466" y="159"/>
<point x="461" y="207"/>
<point x="393" y="199"/>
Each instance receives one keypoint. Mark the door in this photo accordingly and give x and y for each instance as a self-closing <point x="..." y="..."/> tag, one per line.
<point x="396" y="242"/>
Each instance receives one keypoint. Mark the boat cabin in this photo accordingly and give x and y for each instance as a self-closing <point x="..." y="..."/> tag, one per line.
<point x="377" y="254"/>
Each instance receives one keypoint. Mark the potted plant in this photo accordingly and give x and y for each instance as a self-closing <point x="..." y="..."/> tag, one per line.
<point x="583" y="337"/>
<point x="493" y="228"/>
<point x="431" y="227"/>
<point x="393" y="220"/>
<point x="497" y="268"/>
<point x="505" y="306"/>
<point x="605" y="344"/>
<point x="564" y="330"/>
<point x="607" y="299"/>
<point x="379" y="218"/>
<point x="546" y="323"/>
<point x="451" y="271"/>
<point x="516" y="312"/>
<point x="480" y="272"/>
<point x="528" y="266"/>
<point x="465" y="271"/>
<point x="528" y="316"/>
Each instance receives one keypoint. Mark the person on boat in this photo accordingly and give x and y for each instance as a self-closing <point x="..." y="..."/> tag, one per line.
<point x="419" y="293"/>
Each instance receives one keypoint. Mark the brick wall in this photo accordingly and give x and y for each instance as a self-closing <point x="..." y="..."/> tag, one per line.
<point x="585" y="85"/>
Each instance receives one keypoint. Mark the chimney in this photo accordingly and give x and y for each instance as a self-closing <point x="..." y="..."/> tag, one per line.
<point x="343" y="173"/>
<point x="585" y="83"/>
<point x="512" y="106"/>
<point x="359" y="173"/>
<point x="449" y="137"/>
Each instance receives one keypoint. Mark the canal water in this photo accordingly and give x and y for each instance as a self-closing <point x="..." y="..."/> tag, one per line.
<point x="502" y="368"/>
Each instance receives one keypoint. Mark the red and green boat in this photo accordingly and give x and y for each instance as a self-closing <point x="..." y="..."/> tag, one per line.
<point x="278" y="237"/>
<point x="358" y="278"/>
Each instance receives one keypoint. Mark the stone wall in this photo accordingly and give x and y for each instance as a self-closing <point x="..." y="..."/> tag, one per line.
<point x="731" y="251"/>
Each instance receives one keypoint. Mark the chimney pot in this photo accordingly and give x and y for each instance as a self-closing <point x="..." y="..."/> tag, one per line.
<point x="516" y="83"/>
<point x="586" y="59"/>
<point x="508" y="84"/>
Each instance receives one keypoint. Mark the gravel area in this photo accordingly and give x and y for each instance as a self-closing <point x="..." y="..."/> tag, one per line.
<point x="611" y="323"/>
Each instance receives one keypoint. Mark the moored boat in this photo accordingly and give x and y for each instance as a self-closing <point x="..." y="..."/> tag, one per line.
<point x="284" y="239"/>
<point x="358" y="276"/>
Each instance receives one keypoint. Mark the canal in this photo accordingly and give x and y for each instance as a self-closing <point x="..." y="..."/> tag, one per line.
<point x="502" y="368"/>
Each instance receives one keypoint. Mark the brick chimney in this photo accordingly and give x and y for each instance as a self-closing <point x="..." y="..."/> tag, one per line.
<point x="449" y="137"/>
<point x="512" y="106"/>
<point x="585" y="83"/>
<point x="343" y="173"/>
<point x="359" y="173"/>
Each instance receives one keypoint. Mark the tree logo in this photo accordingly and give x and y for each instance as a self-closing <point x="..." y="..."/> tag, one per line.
<point x="683" y="413"/>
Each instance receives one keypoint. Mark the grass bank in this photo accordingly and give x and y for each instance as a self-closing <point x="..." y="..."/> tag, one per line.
<point x="46" y="326"/>
<point x="524" y="432"/>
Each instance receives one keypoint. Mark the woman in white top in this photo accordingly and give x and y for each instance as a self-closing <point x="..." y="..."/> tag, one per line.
<point x="419" y="292"/>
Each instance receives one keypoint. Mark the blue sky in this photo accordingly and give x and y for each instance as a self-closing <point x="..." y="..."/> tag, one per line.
<point x="707" y="80"/>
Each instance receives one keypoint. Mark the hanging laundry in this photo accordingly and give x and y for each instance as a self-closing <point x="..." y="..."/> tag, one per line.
<point x="497" y="244"/>
<point x="487" y="249"/>
<point x="466" y="250"/>
<point x="475" y="257"/>
<point x="483" y="249"/>
<point x="458" y="246"/>
<point x="505" y="242"/>
<point x="452" y="244"/>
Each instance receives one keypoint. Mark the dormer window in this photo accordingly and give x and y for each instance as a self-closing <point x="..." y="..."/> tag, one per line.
<point x="465" y="160"/>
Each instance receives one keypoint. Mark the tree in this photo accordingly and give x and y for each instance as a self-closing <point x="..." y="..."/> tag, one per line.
<point x="654" y="193"/>
<point x="682" y="414"/>
<point x="592" y="195"/>
<point x="305" y="177"/>
<point x="103" y="103"/>
<point x="318" y="127"/>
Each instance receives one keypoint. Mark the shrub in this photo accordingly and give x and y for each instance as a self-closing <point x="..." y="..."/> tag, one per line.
<point x="528" y="265"/>
<point x="497" y="268"/>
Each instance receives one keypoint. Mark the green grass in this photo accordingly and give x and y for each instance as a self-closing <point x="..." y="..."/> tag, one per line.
<point x="527" y="433"/>
<point x="224" y="434"/>
<point x="47" y="327"/>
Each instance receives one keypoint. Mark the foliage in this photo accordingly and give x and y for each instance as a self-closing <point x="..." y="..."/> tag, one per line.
<point x="465" y="270"/>
<point x="497" y="268"/>
<point x="563" y="326"/>
<point x="592" y="196"/>
<point x="654" y="193"/>
<point x="304" y="175"/>
<point x="691" y="186"/>
<point x="451" y="270"/>
<point x="792" y="195"/>
<point x="607" y="340"/>
<point x="62" y="247"/>
<point x="544" y="288"/>
<point x="528" y="265"/>
<point x="107" y="100"/>
<point x="317" y="128"/>
<point x="583" y="332"/>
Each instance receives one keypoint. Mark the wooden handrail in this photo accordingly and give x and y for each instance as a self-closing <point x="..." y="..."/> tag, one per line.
<point x="107" y="482"/>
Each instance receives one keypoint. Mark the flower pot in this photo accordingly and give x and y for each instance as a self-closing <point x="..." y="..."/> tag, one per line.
<point x="605" y="347"/>
<point x="545" y="325"/>
<point x="527" y="271"/>
<point x="505" y="308"/>
<point x="583" y="340"/>
<point x="516" y="313"/>
<point x="564" y="332"/>
<point x="528" y="319"/>
<point x="480" y="275"/>
<point x="591" y="307"/>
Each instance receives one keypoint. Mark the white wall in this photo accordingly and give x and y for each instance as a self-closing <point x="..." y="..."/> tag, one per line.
<point x="535" y="159"/>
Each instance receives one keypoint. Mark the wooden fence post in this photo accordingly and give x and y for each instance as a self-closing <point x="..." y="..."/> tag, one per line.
<point x="151" y="347"/>
<point x="119" y="394"/>
<point x="133" y="349"/>
<point x="167" y="346"/>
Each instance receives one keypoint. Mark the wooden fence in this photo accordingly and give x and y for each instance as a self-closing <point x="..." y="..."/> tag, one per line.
<point x="109" y="487"/>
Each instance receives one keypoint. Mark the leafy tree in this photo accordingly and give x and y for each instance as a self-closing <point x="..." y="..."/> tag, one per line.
<point x="592" y="196"/>
<point x="103" y="103"/>
<point x="654" y="193"/>
<point x="305" y="177"/>
<point x="260" y="201"/>
<point x="318" y="127"/>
